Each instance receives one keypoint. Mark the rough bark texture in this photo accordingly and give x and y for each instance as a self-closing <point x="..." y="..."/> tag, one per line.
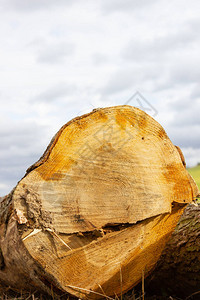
<point x="95" y="212"/>
<point x="178" y="270"/>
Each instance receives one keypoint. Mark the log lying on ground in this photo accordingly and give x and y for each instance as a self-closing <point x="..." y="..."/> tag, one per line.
<point x="178" y="270"/>
<point x="95" y="212"/>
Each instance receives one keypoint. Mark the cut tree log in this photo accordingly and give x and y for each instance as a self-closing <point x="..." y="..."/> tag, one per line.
<point x="95" y="212"/>
<point x="178" y="270"/>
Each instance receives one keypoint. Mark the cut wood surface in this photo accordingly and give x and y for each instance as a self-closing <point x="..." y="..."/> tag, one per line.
<point x="95" y="212"/>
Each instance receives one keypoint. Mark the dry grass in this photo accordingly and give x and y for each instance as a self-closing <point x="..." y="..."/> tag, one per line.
<point x="10" y="294"/>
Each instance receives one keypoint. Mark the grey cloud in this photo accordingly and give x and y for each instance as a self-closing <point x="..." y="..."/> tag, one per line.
<point x="194" y="24"/>
<point x="21" y="145"/>
<point x="173" y="59"/>
<point x="131" y="77"/>
<point x="12" y="169"/>
<point x="99" y="58"/>
<point x="184" y="72"/>
<point x="53" y="53"/>
<point x="185" y="127"/>
<point x="159" y="48"/>
<point x="125" y="5"/>
<point x="177" y="73"/>
<point x="192" y="156"/>
<point x="33" y="5"/>
<point x="121" y="80"/>
<point x="162" y="62"/>
<point x="195" y="94"/>
<point x="184" y="136"/>
<point x="56" y="92"/>
<point x="186" y="113"/>
<point x="181" y="106"/>
<point x="22" y="133"/>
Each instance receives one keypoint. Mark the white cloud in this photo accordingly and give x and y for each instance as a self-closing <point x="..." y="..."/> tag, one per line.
<point x="62" y="58"/>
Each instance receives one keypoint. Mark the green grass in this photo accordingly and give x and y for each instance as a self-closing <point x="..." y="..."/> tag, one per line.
<point x="195" y="172"/>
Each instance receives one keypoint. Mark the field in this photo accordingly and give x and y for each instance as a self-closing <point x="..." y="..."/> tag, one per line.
<point x="195" y="172"/>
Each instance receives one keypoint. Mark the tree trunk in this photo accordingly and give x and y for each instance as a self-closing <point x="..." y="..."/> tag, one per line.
<point x="178" y="270"/>
<point x="95" y="212"/>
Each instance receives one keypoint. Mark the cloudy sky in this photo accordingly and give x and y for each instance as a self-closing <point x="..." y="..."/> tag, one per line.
<point x="62" y="58"/>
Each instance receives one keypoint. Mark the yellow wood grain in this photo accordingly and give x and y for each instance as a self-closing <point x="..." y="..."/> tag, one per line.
<point x="114" y="166"/>
<point x="98" y="262"/>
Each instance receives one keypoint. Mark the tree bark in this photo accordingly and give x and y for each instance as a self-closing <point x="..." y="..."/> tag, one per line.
<point x="95" y="212"/>
<point x="178" y="270"/>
